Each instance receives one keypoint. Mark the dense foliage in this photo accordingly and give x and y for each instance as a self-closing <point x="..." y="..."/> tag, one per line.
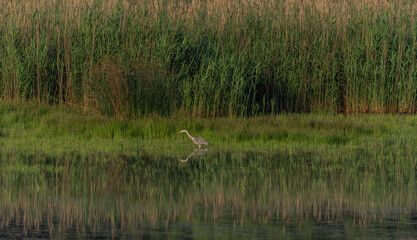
<point x="210" y="58"/>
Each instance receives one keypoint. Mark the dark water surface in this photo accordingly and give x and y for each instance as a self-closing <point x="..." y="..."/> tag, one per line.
<point x="205" y="195"/>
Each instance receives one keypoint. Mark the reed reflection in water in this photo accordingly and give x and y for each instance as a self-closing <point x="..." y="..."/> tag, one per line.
<point x="221" y="194"/>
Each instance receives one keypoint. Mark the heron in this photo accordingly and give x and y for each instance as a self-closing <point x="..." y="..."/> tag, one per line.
<point x="197" y="140"/>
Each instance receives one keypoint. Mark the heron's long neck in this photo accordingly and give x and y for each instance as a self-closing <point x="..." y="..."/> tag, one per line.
<point x="189" y="135"/>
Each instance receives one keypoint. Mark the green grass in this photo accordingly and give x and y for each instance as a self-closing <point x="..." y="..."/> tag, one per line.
<point x="54" y="129"/>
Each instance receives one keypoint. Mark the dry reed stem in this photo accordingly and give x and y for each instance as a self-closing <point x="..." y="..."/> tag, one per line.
<point x="22" y="11"/>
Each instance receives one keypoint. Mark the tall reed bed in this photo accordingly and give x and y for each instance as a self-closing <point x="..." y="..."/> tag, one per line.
<point x="210" y="58"/>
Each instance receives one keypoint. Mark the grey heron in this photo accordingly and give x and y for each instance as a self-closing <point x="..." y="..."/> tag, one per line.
<point x="197" y="140"/>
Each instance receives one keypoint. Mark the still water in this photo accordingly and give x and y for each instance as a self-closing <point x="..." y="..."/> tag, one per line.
<point x="206" y="194"/>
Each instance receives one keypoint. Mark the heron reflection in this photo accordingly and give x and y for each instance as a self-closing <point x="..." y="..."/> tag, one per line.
<point x="196" y="153"/>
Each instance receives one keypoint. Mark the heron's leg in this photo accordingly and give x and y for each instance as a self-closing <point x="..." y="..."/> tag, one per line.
<point x="199" y="146"/>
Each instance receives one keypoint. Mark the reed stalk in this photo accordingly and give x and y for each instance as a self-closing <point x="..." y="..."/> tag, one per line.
<point x="210" y="58"/>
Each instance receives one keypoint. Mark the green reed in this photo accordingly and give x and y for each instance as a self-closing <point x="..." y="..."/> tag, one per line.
<point x="211" y="58"/>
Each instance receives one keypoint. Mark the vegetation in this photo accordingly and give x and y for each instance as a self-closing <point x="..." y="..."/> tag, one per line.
<point x="157" y="67"/>
<point x="210" y="58"/>
<point x="34" y="128"/>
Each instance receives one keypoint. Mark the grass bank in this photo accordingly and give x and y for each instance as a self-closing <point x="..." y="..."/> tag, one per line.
<point x="210" y="58"/>
<point x="55" y="130"/>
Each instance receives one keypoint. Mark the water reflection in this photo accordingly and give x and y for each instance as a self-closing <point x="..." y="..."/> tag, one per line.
<point x="232" y="195"/>
<point x="196" y="153"/>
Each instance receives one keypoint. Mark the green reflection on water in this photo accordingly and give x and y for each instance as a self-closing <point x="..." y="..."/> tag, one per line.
<point x="283" y="194"/>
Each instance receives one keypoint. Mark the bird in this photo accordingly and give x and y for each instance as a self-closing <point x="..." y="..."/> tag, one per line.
<point x="197" y="140"/>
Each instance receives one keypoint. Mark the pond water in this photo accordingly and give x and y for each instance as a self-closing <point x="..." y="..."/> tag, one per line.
<point x="205" y="194"/>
